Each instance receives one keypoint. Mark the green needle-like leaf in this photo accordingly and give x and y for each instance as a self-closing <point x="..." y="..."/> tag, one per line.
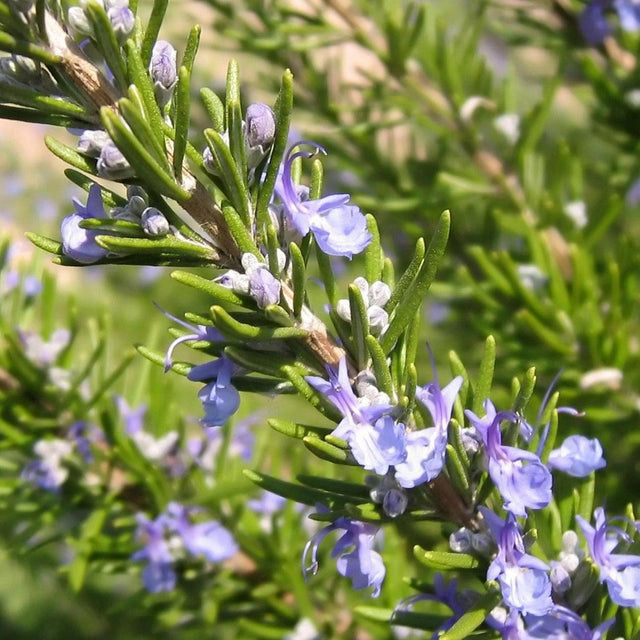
<point x="414" y="295"/>
<point x="482" y="388"/>
<point x="107" y="42"/>
<point x="373" y="255"/>
<point x="222" y="296"/>
<point x="181" y="123"/>
<point x="298" y="279"/>
<point x="327" y="451"/>
<point x="235" y="329"/>
<point x="153" y="29"/>
<point x="380" y="366"/>
<point x="283" y="107"/>
<point x="359" y="326"/>
<point x="45" y="104"/>
<point x="146" y="167"/>
<point x="70" y="156"/>
<point x="408" y="276"/>
<point x="12" y="45"/>
<point x="214" y="107"/>
<point x="229" y="174"/>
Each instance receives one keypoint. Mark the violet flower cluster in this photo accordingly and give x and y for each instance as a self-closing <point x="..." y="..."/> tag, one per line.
<point x="173" y="536"/>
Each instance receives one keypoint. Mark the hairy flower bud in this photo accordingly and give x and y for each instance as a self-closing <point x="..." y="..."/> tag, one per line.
<point x="91" y="142"/>
<point x="261" y="125"/>
<point x="162" y="70"/>
<point x="79" y="23"/>
<point x="154" y="223"/>
<point x="112" y="164"/>
<point x="122" y="20"/>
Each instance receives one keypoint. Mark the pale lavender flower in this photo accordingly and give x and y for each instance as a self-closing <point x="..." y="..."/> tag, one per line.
<point x="523" y="578"/>
<point x="628" y="13"/>
<point x="48" y="471"/>
<point x="357" y="559"/>
<point x="562" y="623"/>
<point x="162" y="70"/>
<point x="79" y="243"/>
<point x="376" y="440"/>
<point x="519" y="475"/>
<point x="621" y="572"/>
<point x="83" y="435"/>
<point x="209" y="539"/>
<point x="447" y="595"/>
<point x="158" y="575"/>
<point x="425" y="449"/>
<point x="578" y="456"/>
<point x="133" y="418"/>
<point x="339" y="228"/>
<point x="199" y="332"/>
<point x="44" y="353"/>
<point x="264" y="287"/>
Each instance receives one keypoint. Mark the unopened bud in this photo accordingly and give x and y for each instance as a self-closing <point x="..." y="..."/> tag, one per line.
<point x="91" y="142"/>
<point x="112" y="164"/>
<point x="261" y="125"/>
<point x="154" y="223"/>
<point x="162" y="70"/>
<point x="78" y="22"/>
<point x="122" y="20"/>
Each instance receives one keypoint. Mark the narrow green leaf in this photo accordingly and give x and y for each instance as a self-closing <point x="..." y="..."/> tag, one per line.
<point x="44" y="243"/>
<point x="70" y="156"/>
<point x="298" y="278"/>
<point x="283" y="107"/>
<point x="483" y="384"/>
<point x="326" y="275"/>
<point x="299" y="493"/>
<point x="229" y="174"/>
<point x="182" y="99"/>
<point x="445" y="559"/>
<point x="464" y="626"/>
<point x="142" y="130"/>
<point x="23" y="48"/>
<point x="190" y="51"/>
<point x="240" y="232"/>
<point x="107" y="43"/>
<point x="146" y="167"/>
<point x="457" y="471"/>
<point x="586" y="496"/>
<point x="373" y="255"/>
<point x="413" y="297"/>
<point x="308" y="393"/>
<point x="348" y="489"/>
<point x="408" y="276"/>
<point x="42" y="103"/>
<point x="110" y="198"/>
<point x="235" y="329"/>
<point x="359" y="326"/>
<point x="268" y="364"/>
<point x="32" y="115"/>
<point x="153" y="29"/>
<point x="139" y="76"/>
<point x="214" y="107"/>
<point x="222" y="295"/>
<point x="298" y="431"/>
<point x="327" y="451"/>
<point x="167" y="245"/>
<point x="380" y="366"/>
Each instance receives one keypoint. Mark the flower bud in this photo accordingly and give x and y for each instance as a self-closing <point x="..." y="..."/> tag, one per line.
<point x="122" y="20"/>
<point x="264" y="287"/>
<point x="79" y="23"/>
<point x="91" y="142"/>
<point x="378" y="320"/>
<point x="379" y="293"/>
<point x="395" y="502"/>
<point x="112" y="164"/>
<point x="154" y="223"/>
<point x="460" y="541"/>
<point x="162" y="70"/>
<point x="261" y="125"/>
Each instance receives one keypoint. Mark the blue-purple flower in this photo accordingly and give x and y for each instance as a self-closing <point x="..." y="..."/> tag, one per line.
<point x="519" y="475"/>
<point x="523" y="578"/>
<point x="357" y="559"/>
<point x="426" y="448"/>
<point x="219" y="398"/>
<point x="173" y="533"/>
<point x="339" y="228"/>
<point x="593" y="21"/>
<point x="376" y="440"/>
<point x="79" y="243"/>
<point x="578" y="456"/>
<point x="620" y="571"/>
